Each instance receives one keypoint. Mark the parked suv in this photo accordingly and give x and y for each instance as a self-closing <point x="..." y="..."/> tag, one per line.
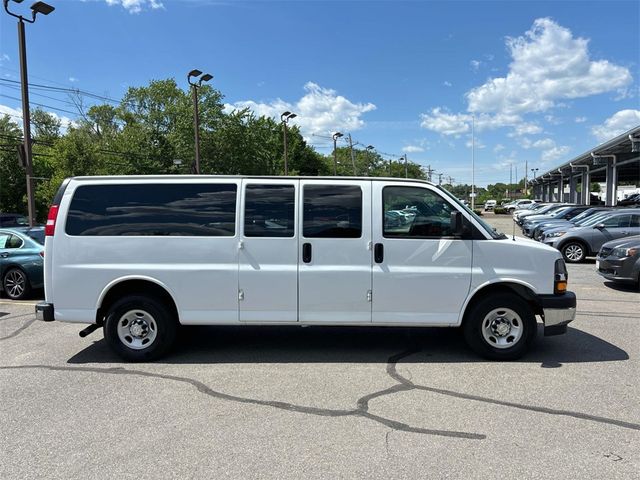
<point x="578" y="243"/>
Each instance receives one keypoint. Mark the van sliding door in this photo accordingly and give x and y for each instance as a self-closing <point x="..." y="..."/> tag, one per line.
<point x="268" y="251"/>
<point x="335" y="251"/>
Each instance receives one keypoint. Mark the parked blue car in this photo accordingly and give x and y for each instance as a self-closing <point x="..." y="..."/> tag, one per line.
<point x="21" y="261"/>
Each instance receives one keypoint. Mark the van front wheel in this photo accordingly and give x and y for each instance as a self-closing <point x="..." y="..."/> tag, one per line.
<point x="140" y="328"/>
<point x="500" y="327"/>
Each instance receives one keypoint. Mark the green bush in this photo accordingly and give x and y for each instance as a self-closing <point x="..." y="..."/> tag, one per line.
<point x="477" y="212"/>
<point x="500" y="211"/>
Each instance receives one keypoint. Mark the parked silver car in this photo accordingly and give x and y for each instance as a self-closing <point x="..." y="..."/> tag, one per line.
<point x="577" y="243"/>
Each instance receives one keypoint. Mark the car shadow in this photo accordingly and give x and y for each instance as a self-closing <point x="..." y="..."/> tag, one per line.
<point x="249" y="344"/>
<point x="622" y="286"/>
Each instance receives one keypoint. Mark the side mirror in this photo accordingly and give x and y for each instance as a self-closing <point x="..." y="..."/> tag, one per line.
<point x="456" y="223"/>
<point x="599" y="226"/>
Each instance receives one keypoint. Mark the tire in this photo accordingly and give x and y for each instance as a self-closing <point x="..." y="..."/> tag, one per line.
<point x="15" y="284"/>
<point x="500" y="327"/>
<point x="154" y="328"/>
<point x="573" y="252"/>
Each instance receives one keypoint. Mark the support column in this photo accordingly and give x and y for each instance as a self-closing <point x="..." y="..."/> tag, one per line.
<point x="549" y="192"/>
<point x="612" y="183"/>
<point x="586" y="188"/>
<point x="573" y="197"/>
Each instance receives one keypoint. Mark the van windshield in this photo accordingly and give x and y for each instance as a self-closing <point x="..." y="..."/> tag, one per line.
<point x="488" y="228"/>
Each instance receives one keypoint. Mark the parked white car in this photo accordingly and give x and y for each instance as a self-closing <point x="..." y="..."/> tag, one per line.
<point x="490" y="205"/>
<point x="140" y="256"/>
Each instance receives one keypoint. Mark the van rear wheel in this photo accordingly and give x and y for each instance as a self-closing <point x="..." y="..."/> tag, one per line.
<point x="500" y="327"/>
<point x="140" y="328"/>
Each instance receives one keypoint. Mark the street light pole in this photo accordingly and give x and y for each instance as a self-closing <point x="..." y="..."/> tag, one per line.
<point x="473" y="161"/>
<point x="44" y="9"/>
<point x="336" y="136"/>
<point x="285" y="117"/>
<point x="406" y="167"/>
<point x="196" y="115"/>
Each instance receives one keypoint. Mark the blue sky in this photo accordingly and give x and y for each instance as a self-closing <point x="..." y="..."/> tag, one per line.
<point x="545" y="81"/>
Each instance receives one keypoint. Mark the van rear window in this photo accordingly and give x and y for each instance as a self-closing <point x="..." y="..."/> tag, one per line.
<point x="203" y="210"/>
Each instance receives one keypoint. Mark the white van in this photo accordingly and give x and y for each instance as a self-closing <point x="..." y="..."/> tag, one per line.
<point x="140" y="256"/>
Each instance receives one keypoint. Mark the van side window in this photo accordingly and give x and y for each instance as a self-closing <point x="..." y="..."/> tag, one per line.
<point x="413" y="212"/>
<point x="332" y="211"/>
<point x="143" y="209"/>
<point x="269" y="211"/>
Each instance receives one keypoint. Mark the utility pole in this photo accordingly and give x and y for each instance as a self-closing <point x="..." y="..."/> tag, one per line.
<point x="440" y="178"/>
<point x="353" y="159"/>
<point x="510" y="180"/>
<point x="406" y="167"/>
<point x="429" y="172"/>
<point x="526" y="178"/>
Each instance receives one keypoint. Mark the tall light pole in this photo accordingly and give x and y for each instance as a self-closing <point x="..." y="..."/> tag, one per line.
<point x="285" y="117"/>
<point x="44" y="9"/>
<point x="473" y="161"/>
<point x="406" y="167"/>
<point x="335" y="136"/>
<point x="195" y="73"/>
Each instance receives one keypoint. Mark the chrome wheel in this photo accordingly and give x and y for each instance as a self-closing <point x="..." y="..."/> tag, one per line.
<point x="137" y="329"/>
<point x="15" y="283"/>
<point x="502" y="328"/>
<point x="574" y="252"/>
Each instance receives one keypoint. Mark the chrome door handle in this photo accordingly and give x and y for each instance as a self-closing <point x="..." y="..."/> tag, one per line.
<point x="4" y="255"/>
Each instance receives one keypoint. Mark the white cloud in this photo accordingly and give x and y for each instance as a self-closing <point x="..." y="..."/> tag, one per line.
<point x="555" y="153"/>
<point x="617" y="124"/>
<point x="14" y="113"/>
<point x="475" y="65"/>
<point x="412" y="149"/>
<point x="446" y="83"/>
<point x="16" y="116"/>
<point x="498" y="148"/>
<point x="4" y="58"/>
<point x="525" y="128"/>
<point x="581" y="119"/>
<point x="548" y="64"/>
<point x="73" y="79"/>
<point x="320" y="110"/>
<point x="550" y="150"/>
<point x="445" y="123"/>
<point x="136" y="6"/>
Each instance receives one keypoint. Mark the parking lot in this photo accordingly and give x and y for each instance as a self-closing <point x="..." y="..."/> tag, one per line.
<point x="250" y="402"/>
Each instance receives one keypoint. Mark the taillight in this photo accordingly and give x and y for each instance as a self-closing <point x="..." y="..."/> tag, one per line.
<point x="50" y="227"/>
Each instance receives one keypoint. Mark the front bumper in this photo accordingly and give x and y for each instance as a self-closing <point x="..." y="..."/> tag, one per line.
<point x="615" y="268"/>
<point x="44" y="312"/>
<point x="557" y="312"/>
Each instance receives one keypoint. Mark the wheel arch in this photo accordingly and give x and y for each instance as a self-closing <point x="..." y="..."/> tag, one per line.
<point x="133" y="285"/>
<point x="523" y="290"/>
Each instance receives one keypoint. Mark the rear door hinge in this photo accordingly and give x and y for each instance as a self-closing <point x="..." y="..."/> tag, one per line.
<point x="240" y="295"/>
<point x="369" y="295"/>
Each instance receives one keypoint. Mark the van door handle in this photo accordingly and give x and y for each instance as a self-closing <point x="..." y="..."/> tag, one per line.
<point x="4" y="255"/>
<point x="306" y="252"/>
<point x="378" y="253"/>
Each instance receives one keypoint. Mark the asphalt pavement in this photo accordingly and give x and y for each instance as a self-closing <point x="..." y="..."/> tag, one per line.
<point x="251" y="402"/>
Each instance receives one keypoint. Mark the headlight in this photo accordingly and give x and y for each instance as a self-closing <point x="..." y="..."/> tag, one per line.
<point x="555" y="234"/>
<point x="625" y="252"/>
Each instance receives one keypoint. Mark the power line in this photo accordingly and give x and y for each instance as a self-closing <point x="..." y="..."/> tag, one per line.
<point x="40" y="104"/>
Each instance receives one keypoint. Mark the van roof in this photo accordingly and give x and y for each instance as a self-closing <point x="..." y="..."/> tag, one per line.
<point x="236" y="177"/>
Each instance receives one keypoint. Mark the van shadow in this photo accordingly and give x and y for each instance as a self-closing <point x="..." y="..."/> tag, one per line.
<point x="249" y="344"/>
